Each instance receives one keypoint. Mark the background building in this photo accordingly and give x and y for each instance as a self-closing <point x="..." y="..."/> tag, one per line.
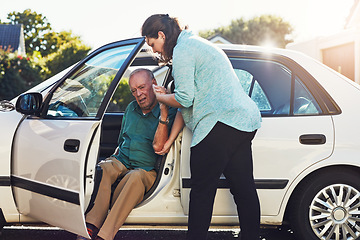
<point x="12" y="37"/>
<point x="340" y="51"/>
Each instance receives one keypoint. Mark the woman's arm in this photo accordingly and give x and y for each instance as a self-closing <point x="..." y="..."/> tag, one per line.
<point x="167" y="99"/>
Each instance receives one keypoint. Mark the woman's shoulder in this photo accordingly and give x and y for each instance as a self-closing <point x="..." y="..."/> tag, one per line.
<point x="190" y="42"/>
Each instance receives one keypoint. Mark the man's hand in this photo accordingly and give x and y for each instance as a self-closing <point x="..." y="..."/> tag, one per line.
<point x="166" y="148"/>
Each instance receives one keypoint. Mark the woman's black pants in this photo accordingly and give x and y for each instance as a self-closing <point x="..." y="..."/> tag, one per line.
<point x="224" y="150"/>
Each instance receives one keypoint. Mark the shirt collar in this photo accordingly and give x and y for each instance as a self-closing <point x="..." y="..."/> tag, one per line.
<point x="184" y="34"/>
<point x="155" y="111"/>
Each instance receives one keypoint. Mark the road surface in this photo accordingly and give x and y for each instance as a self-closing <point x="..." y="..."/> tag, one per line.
<point x="30" y="232"/>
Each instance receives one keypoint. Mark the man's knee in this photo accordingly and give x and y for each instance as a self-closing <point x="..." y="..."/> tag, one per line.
<point x="142" y="177"/>
<point x="108" y="170"/>
<point x="106" y="166"/>
<point x="135" y="175"/>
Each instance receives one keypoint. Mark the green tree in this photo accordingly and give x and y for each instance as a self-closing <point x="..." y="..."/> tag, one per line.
<point x="39" y="36"/>
<point x="17" y="74"/>
<point x="54" y="51"/>
<point x="68" y="53"/>
<point x="35" y="26"/>
<point x="52" y="41"/>
<point x="257" y="31"/>
<point x="122" y="97"/>
<point x="49" y="53"/>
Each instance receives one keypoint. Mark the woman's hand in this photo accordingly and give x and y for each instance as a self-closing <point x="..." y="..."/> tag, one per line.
<point x="166" y="148"/>
<point x="158" y="90"/>
<point x="163" y="97"/>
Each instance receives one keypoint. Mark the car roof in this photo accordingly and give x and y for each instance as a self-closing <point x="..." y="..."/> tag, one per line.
<point x="295" y="55"/>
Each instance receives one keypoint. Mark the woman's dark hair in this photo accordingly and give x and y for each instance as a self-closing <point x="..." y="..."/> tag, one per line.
<point x="169" y="26"/>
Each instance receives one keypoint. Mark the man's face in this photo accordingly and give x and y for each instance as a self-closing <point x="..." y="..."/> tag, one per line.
<point x="141" y="89"/>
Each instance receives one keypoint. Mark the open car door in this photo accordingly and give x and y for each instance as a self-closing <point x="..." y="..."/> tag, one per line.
<point x="56" y="146"/>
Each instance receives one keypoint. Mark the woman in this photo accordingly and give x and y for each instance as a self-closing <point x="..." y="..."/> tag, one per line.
<point x="222" y="117"/>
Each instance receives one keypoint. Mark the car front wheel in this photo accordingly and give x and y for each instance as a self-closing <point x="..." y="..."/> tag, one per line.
<point x="327" y="206"/>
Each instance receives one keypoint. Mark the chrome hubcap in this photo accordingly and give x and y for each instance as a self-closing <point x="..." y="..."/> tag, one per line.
<point x="339" y="214"/>
<point x="334" y="213"/>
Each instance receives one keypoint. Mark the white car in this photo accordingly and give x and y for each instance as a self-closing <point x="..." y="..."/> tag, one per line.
<point x="306" y="154"/>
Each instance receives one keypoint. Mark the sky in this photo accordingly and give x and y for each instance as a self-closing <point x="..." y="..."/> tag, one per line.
<point x="105" y="21"/>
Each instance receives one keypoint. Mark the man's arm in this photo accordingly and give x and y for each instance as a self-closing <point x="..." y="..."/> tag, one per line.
<point x="162" y="132"/>
<point x="175" y="130"/>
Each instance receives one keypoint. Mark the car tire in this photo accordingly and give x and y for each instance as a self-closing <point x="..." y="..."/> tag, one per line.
<point x="327" y="206"/>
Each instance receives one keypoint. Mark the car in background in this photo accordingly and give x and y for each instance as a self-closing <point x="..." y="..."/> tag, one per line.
<point x="306" y="154"/>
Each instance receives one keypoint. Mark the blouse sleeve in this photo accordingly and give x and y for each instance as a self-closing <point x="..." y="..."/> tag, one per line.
<point x="183" y="73"/>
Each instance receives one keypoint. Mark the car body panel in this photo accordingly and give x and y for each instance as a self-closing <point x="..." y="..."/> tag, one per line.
<point x="9" y="123"/>
<point x="277" y="154"/>
<point x="61" y="171"/>
<point x="54" y="153"/>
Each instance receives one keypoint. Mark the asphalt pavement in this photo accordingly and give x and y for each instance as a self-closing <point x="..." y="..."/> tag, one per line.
<point x="42" y="233"/>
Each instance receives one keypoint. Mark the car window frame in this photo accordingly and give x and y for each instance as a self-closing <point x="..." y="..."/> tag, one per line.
<point x="326" y="103"/>
<point x="250" y="91"/>
<point x="138" y="42"/>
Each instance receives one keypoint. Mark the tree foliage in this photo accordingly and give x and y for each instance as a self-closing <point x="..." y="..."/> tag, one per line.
<point x="48" y="52"/>
<point x="35" y="26"/>
<point x="54" y="41"/>
<point x="17" y="74"/>
<point x="68" y="53"/>
<point x="263" y="30"/>
<point x="39" y="36"/>
<point x="122" y="97"/>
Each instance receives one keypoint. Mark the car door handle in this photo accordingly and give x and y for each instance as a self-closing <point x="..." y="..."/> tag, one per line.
<point x="312" y="139"/>
<point x="72" y="145"/>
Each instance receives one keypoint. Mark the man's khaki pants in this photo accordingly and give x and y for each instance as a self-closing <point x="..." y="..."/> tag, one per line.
<point x="129" y="192"/>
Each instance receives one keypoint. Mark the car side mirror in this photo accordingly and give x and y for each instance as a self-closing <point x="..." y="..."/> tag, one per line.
<point x="29" y="104"/>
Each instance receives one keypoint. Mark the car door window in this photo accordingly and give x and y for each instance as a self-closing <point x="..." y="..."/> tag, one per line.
<point x="275" y="89"/>
<point x="304" y="102"/>
<point x="81" y="94"/>
<point x="253" y="89"/>
<point x="121" y="98"/>
<point x="267" y="83"/>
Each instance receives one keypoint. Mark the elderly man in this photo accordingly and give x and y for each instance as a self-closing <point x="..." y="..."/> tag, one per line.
<point x="145" y="128"/>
